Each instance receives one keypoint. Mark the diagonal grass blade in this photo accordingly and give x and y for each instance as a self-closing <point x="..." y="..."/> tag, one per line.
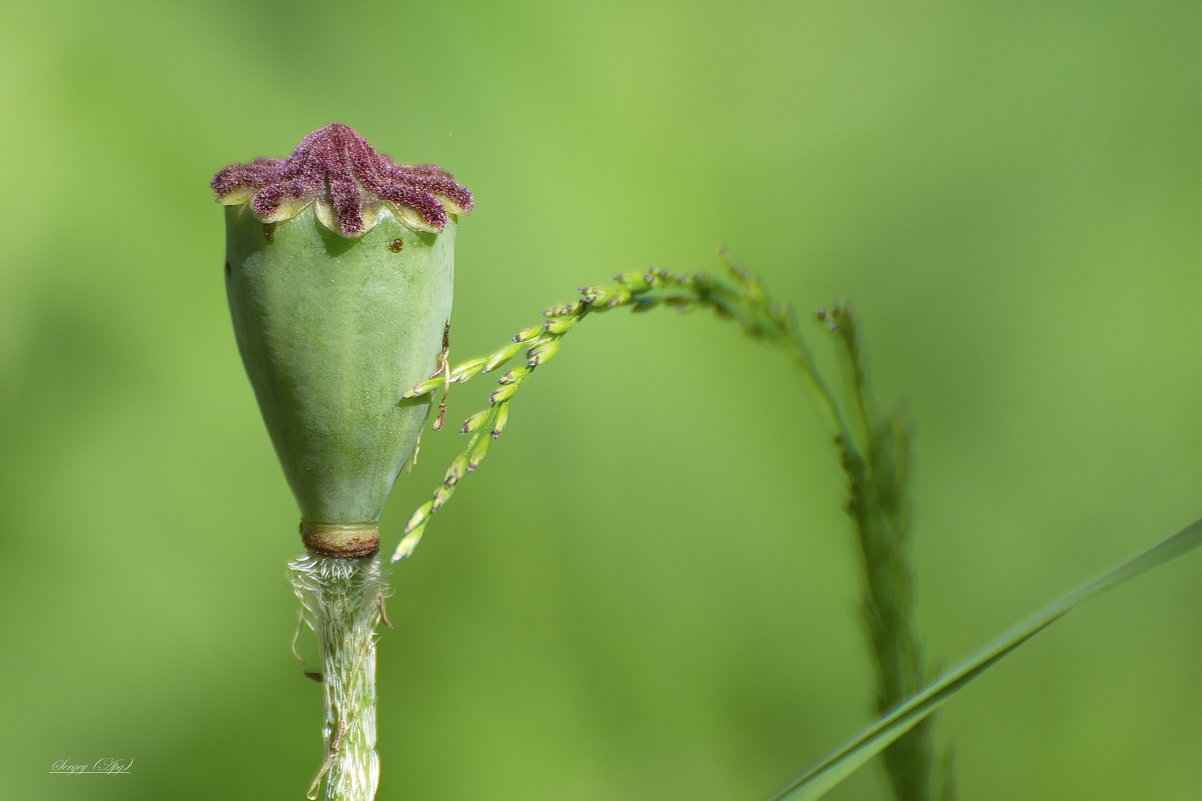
<point x="822" y="777"/>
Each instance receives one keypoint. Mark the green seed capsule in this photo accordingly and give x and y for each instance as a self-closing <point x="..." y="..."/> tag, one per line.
<point x="339" y="308"/>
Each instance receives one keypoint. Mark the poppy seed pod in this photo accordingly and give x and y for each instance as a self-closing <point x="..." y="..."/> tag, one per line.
<point x="339" y="267"/>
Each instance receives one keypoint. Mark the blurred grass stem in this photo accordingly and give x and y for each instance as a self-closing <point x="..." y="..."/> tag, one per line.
<point x="878" y="503"/>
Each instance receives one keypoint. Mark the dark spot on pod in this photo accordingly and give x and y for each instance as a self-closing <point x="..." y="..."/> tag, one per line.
<point x="269" y="232"/>
<point x="228" y="269"/>
<point x="396" y="245"/>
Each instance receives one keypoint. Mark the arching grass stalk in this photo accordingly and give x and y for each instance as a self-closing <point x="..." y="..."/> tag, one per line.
<point x="873" y="451"/>
<point x="743" y="299"/>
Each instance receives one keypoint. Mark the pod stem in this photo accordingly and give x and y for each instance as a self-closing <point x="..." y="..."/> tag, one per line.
<point x="342" y="603"/>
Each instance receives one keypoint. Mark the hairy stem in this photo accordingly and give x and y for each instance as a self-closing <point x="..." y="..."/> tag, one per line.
<point x="342" y="601"/>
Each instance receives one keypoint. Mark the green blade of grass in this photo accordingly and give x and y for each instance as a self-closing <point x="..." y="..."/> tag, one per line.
<point x="838" y="766"/>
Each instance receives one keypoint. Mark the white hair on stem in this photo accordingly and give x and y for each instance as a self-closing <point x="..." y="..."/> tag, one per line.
<point x="341" y="601"/>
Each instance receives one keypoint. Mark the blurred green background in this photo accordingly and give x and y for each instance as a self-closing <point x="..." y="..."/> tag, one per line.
<point x="649" y="590"/>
